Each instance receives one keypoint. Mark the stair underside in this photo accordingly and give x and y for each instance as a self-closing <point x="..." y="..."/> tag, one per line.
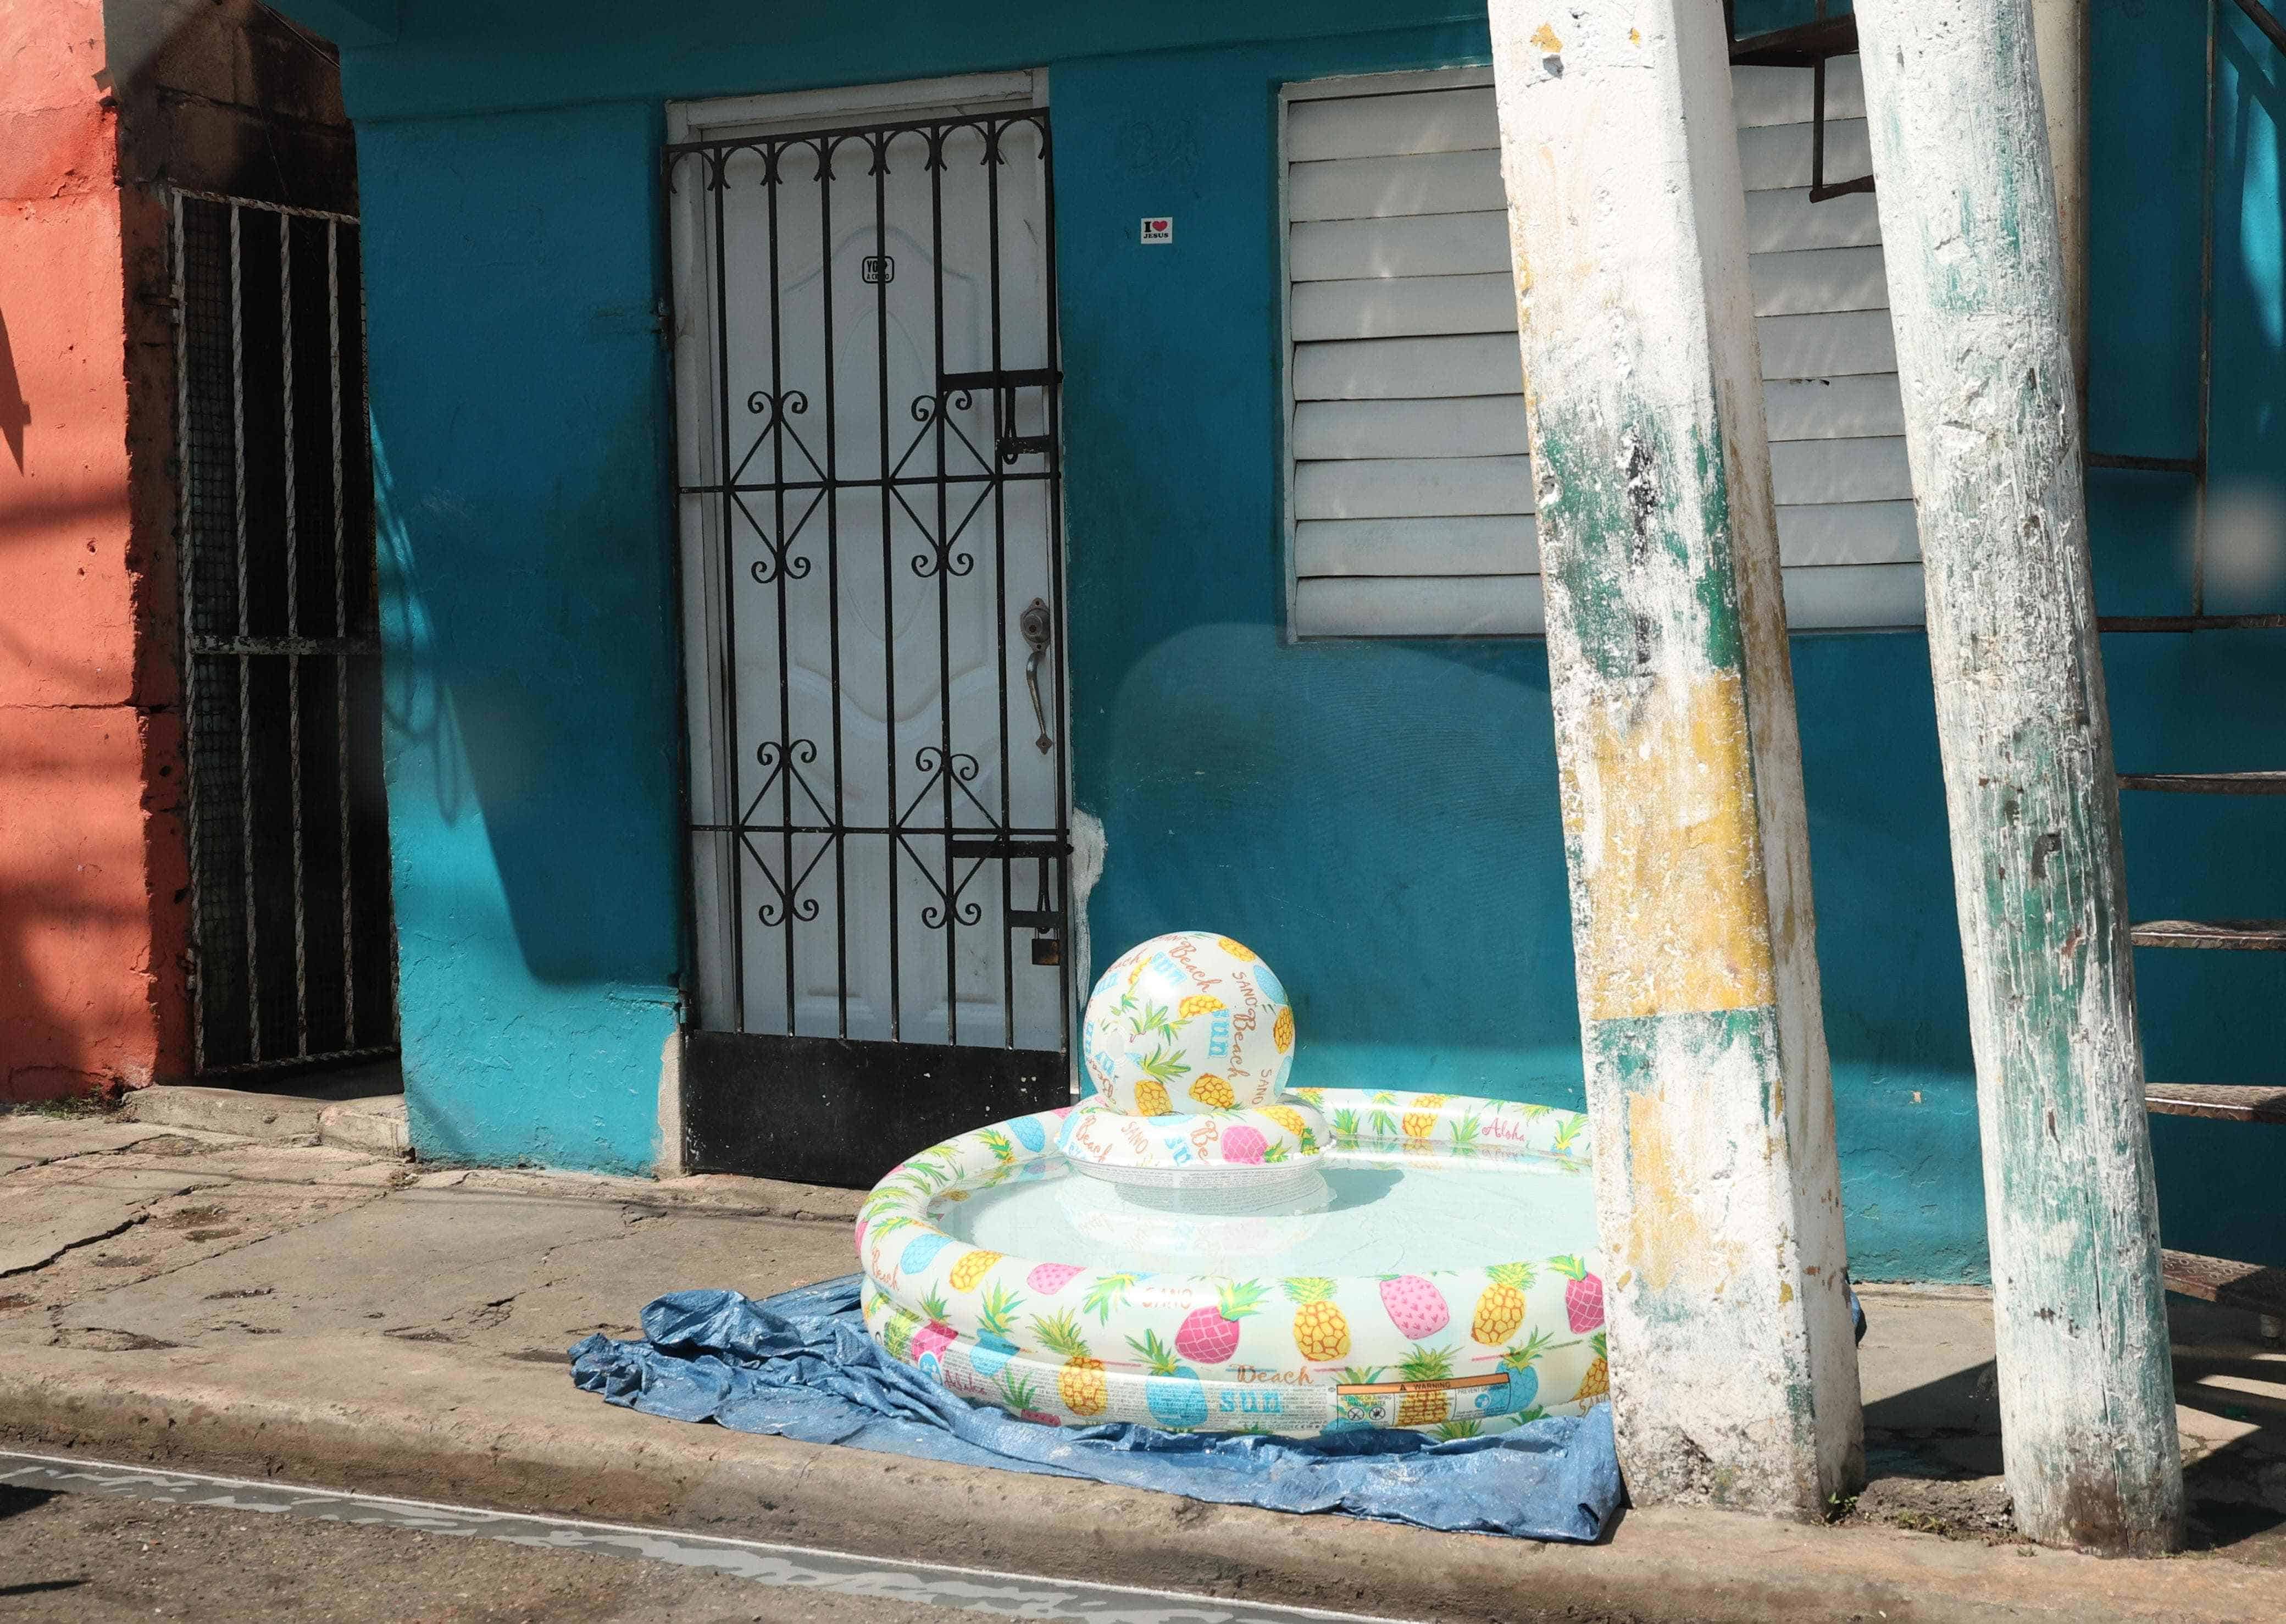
<point x="2265" y="783"/>
<point x="2245" y="936"/>
<point x="2216" y="1279"/>
<point x="2225" y="1102"/>
<point x="2187" y="623"/>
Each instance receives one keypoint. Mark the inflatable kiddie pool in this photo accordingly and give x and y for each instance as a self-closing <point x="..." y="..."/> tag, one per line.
<point x="1209" y="1252"/>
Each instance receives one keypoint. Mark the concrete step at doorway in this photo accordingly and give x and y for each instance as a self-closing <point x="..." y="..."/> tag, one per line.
<point x="350" y="1107"/>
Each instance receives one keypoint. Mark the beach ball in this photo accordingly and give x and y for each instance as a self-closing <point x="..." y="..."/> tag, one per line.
<point x="1187" y="1022"/>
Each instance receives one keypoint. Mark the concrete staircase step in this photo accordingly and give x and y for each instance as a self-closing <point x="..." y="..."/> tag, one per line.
<point x="2219" y="1279"/>
<point x="2223" y="1101"/>
<point x="276" y="1119"/>
<point x="2255" y="936"/>
<point x="374" y="1122"/>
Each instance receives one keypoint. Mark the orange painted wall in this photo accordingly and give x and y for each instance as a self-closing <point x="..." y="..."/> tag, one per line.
<point x="90" y="929"/>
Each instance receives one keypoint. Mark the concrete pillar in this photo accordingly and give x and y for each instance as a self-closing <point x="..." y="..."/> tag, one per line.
<point x="1968" y="217"/>
<point x="92" y="857"/>
<point x="99" y="104"/>
<point x="1734" y="1372"/>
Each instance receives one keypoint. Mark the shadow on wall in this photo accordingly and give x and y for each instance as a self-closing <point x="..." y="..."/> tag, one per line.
<point x="73" y="929"/>
<point x="1380" y="821"/>
<point x="416" y="706"/>
<point x="76" y="1014"/>
<point x="77" y="816"/>
<point x="15" y="411"/>
<point x="1338" y="805"/>
<point x="508" y="699"/>
<point x="535" y="910"/>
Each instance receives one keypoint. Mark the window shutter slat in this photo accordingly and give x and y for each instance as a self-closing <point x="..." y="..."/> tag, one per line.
<point x="1383" y="126"/>
<point x="1411" y="183"/>
<point x="1390" y="308"/>
<point x="1835" y="408"/>
<point x="1474" y="426"/>
<point x="1408" y="368"/>
<point x="1411" y="487"/>
<point x="1426" y="606"/>
<point x="1429" y="245"/>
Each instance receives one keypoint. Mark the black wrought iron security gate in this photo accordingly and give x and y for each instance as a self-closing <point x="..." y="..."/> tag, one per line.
<point x="293" y="952"/>
<point x="867" y="384"/>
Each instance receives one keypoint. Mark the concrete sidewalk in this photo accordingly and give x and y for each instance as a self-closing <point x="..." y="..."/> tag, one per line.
<point x="339" y="1317"/>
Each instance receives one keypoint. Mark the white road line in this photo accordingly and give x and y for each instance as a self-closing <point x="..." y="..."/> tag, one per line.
<point x="1029" y="1596"/>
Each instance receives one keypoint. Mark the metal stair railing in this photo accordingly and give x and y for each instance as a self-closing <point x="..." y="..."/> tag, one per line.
<point x="2243" y="1285"/>
<point x="2216" y="1279"/>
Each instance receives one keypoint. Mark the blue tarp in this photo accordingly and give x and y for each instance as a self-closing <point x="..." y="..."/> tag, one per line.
<point x="799" y="1365"/>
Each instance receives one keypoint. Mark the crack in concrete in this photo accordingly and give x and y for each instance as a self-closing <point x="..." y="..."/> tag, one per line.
<point x="189" y="1263"/>
<point x="79" y="1155"/>
<point x="104" y="1339"/>
<point x="72" y="1246"/>
<point x="548" y="1255"/>
<point x="249" y="1328"/>
<point x="293" y="1221"/>
<point x="488" y="1316"/>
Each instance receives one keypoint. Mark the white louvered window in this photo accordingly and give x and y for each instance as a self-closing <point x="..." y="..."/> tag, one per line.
<point x="1409" y="486"/>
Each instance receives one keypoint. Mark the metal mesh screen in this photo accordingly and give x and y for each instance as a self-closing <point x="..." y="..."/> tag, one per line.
<point x="293" y="944"/>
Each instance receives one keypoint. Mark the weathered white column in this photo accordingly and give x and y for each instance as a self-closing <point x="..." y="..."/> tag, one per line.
<point x="1734" y="1371"/>
<point x="2059" y="33"/>
<point x="1968" y="220"/>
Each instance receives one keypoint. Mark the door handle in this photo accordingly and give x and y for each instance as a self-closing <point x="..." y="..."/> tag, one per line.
<point x="1034" y="625"/>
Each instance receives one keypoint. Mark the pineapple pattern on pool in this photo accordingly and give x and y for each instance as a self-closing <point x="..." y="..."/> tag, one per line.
<point x="1480" y="1342"/>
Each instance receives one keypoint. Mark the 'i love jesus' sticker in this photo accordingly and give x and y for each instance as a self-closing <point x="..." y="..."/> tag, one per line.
<point x="1158" y="229"/>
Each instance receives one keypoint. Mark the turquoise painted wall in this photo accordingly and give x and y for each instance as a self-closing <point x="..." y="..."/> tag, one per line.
<point x="519" y="419"/>
<point x="1380" y="819"/>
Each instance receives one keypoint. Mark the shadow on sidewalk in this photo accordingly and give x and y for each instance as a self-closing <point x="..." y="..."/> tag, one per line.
<point x="1934" y="1461"/>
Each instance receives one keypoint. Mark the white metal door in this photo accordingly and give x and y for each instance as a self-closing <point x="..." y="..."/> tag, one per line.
<point x="871" y="576"/>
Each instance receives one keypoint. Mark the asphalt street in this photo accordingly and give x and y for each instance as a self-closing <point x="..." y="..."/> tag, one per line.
<point x="90" y="1543"/>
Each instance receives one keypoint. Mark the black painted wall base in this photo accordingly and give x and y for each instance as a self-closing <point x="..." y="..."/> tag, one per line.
<point x="835" y="1111"/>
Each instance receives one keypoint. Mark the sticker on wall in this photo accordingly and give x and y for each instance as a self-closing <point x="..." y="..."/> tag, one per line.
<point x="1158" y="229"/>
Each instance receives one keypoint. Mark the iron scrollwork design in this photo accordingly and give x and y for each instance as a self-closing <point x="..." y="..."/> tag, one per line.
<point x="774" y="410"/>
<point x="962" y="769"/>
<point x="782" y="759"/>
<point x="927" y="410"/>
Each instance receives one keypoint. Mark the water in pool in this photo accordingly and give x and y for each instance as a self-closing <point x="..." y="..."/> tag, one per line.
<point x="1377" y="1216"/>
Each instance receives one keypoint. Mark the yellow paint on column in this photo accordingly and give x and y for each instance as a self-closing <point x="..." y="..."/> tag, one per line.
<point x="1669" y="1242"/>
<point x="1664" y="823"/>
<point x="1636" y="331"/>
